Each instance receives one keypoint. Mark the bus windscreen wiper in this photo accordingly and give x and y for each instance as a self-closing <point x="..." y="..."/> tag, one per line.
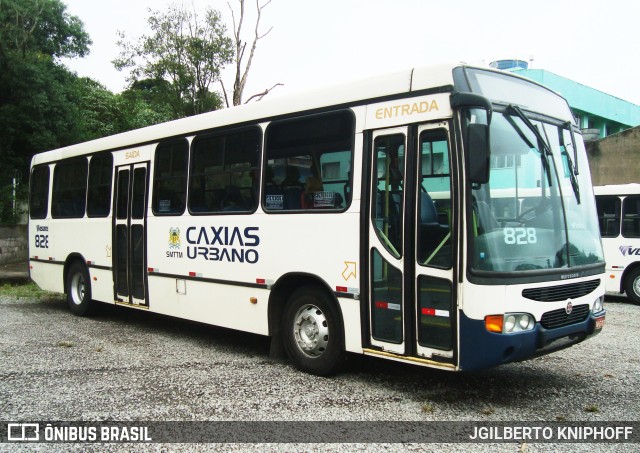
<point x="545" y="151"/>
<point x="573" y="168"/>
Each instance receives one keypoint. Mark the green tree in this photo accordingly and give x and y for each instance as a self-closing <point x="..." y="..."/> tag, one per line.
<point x="105" y="113"/>
<point x="38" y="96"/>
<point x="41" y="26"/>
<point x="184" y="51"/>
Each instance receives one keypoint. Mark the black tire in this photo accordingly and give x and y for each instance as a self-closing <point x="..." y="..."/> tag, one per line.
<point x="79" y="290"/>
<point x="632" y="286"/>
<point x="312" y="332"/>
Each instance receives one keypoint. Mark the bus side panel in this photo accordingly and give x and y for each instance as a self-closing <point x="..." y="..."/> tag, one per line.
<point x="351" y="317"/>
<point x="217" y="261"/>
<point x="620" y="253"/>
<point x="210" y="303"/>
<point x="47" y="276"/>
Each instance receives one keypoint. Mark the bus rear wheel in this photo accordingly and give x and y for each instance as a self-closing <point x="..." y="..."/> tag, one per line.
<point x="79" y="290"/>
<point x="312" y="333"/>
<point x="632" y="286"/>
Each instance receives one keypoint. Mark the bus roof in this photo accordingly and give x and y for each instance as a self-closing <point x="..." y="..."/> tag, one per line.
<point x="367" y="90"/>
<point x="617" y="189"/>
<point x="343" y="94"/>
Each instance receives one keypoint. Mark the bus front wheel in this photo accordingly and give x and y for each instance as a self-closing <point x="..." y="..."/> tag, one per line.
<point x="79" y="290"/>
<point x="632" y="286"/>
<point x="312" y="333"/>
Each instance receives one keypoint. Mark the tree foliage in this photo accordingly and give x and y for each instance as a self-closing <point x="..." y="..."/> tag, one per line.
<point x="41" y="26"/>
<point x="42" y="104"/>
<point x="38" y="100"/>
<point x="181" y="57"/>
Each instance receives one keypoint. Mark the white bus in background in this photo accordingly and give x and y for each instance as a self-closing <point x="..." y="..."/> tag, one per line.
<point x="352" y="219"/>
<point x="619" y="218"/>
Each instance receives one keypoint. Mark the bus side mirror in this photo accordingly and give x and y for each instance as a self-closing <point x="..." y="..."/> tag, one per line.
<point x="479" y="152"/>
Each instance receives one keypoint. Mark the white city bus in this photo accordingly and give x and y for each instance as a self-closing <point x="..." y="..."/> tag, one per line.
<point x="619" y="217"/>
<point x="354" y="219"/>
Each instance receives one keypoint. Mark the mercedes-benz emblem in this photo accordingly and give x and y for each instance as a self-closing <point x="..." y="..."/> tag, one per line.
<point x="569" y="308"/>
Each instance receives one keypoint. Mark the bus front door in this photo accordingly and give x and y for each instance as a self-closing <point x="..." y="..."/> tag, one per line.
<point x="411" y="297"/>
<point x="129" y="234"/>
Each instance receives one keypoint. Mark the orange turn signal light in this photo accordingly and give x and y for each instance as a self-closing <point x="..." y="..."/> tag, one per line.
<point x="493" y="323"/>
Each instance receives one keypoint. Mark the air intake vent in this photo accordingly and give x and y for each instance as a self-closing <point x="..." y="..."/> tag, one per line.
<point x="561" y="292"/>
<point x="560" y="318"/>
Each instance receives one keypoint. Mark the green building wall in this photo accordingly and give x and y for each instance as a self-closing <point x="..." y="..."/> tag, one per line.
<point x="594" y="109"/>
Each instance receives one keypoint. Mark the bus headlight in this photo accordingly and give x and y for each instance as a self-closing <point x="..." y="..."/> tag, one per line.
<point x="509" y="323"/>
<point x="518" y="322"/>
<point x="598" y="305"/>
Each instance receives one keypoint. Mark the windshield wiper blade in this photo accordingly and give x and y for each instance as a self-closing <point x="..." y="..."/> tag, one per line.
<point x="525" y="119"/>
<point x="569" y="126"/>
<point x="545" y="150"/>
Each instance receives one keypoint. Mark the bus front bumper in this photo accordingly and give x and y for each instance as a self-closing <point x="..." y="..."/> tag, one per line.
<point x="480" y="348"/>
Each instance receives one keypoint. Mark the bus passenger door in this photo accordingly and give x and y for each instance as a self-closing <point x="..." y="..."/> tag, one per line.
<point x="435" y="302"/>
<point x="129" y="235"/>
<point x="386" y="244"/>
<point x="411" y="297"/>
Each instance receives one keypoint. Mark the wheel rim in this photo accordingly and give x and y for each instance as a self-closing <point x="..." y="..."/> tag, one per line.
<point x="311" y="330"/>
<point x="636" y="286"/>
<point x="77" y="289"/>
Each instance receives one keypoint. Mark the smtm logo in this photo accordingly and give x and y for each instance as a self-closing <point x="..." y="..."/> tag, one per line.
<point x="174" y="238"/>
<point x="627" y="250"/>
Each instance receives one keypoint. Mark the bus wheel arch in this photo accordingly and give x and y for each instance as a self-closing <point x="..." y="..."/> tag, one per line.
<point x="289" y="295"/>
<point x="631" y="283"/>
<point x="77" y="286"/>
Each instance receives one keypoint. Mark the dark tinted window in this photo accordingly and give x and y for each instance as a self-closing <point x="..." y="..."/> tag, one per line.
<point x="631" y="217"/>
<point x="69" y="188"/>
<point x="170" y="178"/>
<point x="39" y="192"/>
<point x="99" y="193"/>
<point x="224" y="171"/>
<point x="308" y="163"/>
<point x="608" y="215"/>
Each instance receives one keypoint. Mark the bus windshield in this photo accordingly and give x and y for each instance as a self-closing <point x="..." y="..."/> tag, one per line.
<point x="531" y="215"/>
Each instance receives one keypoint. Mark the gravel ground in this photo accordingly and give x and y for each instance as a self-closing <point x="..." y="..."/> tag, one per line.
<point x="130" y="365"/>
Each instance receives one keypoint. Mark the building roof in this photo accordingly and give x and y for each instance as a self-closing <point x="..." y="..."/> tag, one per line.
<point x="587" y="99"/>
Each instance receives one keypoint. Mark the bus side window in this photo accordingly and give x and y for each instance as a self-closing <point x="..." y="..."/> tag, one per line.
<point x="39" y="193"/>
<point x="170" y="178"/>
<point x="99" y="191"/>
<point x="631" y="217"/>
<point x="69" y="195"/>
<point x="608" y="215"/>
<point x="308" y="162"/>
<point x="224" y="172"/>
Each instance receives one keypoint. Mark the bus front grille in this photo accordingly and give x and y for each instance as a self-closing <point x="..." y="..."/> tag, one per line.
<point x="560" y="318"/>
<point x="561" y="292"/>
